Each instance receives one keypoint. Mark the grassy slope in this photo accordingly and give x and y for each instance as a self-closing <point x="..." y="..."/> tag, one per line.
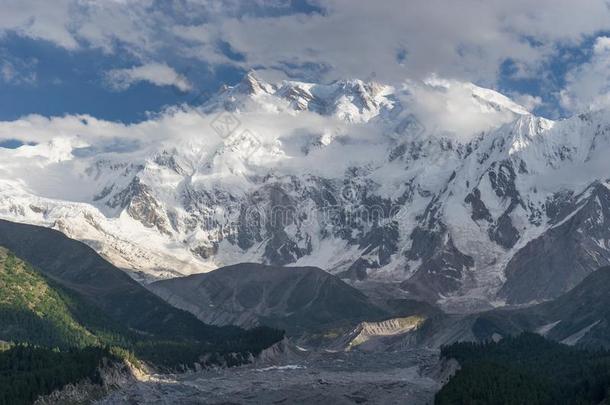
<point x="33" y="310"/>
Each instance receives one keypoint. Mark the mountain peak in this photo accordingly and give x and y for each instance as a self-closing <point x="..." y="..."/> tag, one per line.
<point x="251" y="84"/>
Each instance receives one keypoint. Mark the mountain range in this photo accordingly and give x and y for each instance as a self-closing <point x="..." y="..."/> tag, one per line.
<point x="349" y="177"/>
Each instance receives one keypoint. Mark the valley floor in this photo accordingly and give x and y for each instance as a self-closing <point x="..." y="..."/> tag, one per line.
<point x="405" y="377"/>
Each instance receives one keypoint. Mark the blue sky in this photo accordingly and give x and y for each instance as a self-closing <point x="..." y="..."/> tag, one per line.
<point x="121" y="61"/>
<point x="72" y="82"/>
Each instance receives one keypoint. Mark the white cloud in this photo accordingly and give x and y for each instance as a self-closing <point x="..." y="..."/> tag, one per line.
<point x="39" y="19"/>
<point x="457" y="109"/>
<point x="158" y="74"/>
<point x="17" y="71"/>
<point x="445" y="107"/>
<point x="467" y="39"/>
<point x="393" y="39"/>
<point x="528" y="101"/>
<point x="588" y="85"/>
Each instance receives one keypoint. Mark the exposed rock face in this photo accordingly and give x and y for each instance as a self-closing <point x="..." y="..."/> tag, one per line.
<point x="365" y="332"/>
<point x="563" y="256"/>
<point x="114" y="376"/>
<point x="137" y="199"/>
<point x="441" y="273"/>
<point x="502" y="182"/>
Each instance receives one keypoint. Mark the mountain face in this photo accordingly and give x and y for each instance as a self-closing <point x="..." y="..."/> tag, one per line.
<point x="560" y="258"/>
<point x="580" y="317"/>
<point x="76" y="266"/>
<point x="70" y="296"/>
<point x="349" y="177"/>
<point x="295" y="299"/>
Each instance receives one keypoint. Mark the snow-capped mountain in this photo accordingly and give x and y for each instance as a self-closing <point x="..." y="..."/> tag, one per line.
<point x="453" y="190"/>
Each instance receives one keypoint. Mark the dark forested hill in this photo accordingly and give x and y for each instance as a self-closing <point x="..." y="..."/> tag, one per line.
<point x="527" y="369"/>
<point x="27" y="372"/>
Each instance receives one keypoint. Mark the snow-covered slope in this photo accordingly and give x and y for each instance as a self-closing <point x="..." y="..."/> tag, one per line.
<point x="443" y="186"/>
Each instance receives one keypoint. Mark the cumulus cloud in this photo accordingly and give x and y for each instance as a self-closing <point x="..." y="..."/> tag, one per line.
<point x="158" y="74"/>
<point x="391" y="40"/>
<point x="588" y="85"/>
<point x="394" y="38"/>
<point x="528" y="101"/>
<point x="445" y="107"/>
<point x="457" y="109"/>
<point x="39" y="19"/>
<point x="397" y="39"/>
